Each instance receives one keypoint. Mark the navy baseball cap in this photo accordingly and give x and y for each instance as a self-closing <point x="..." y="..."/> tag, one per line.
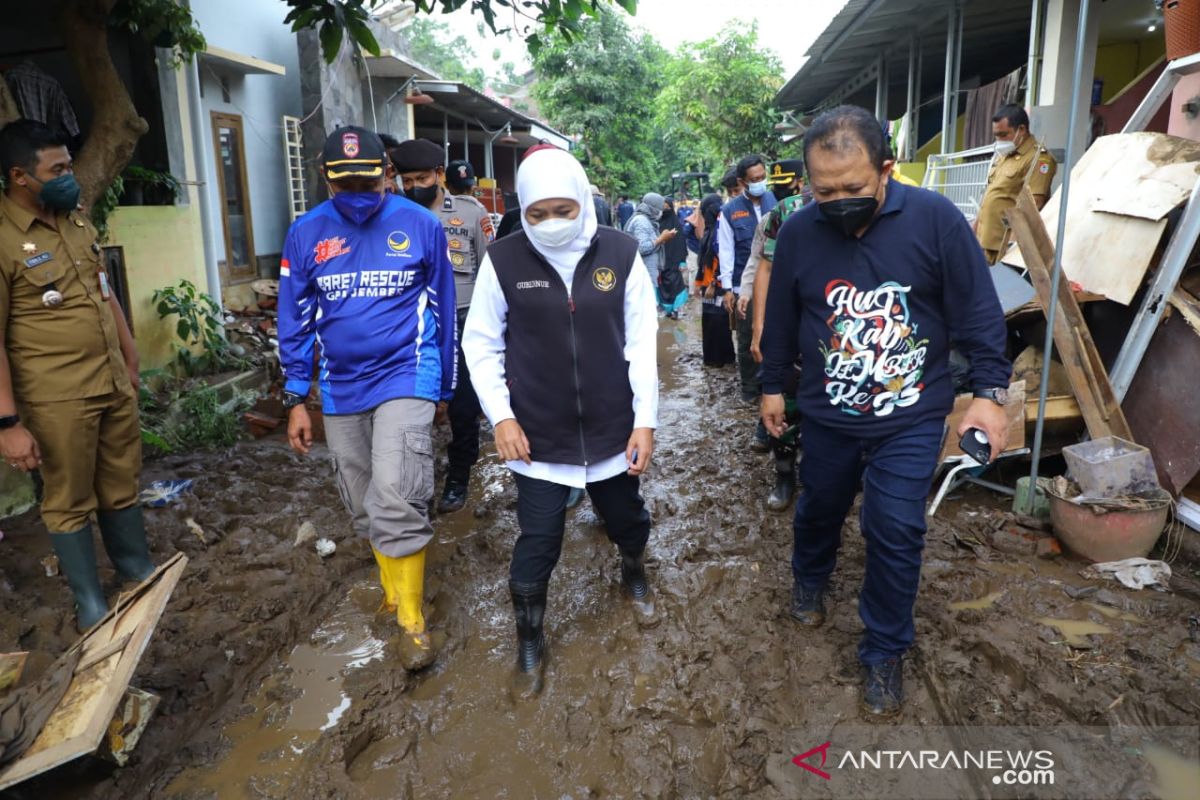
<point x="461" y="173"/>
<point x="353" y="152"/>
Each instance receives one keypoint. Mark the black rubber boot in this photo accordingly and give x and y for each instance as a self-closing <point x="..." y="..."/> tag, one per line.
<point x="808" y="606"/>
<point x="783" y="492"/>
<point x="529" y="608"/>
<point x="77" y="559"/>
<point x="634" y="583"/>
<point x="883" y="689"/>
<point x="124" y="535"/>
<point x="761" y="442"/>
<point x="454" y="497"/>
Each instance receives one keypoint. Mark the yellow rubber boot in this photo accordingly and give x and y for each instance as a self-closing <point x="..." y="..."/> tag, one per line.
<point x="389" y="589"/>
<point x="404" y="582"/>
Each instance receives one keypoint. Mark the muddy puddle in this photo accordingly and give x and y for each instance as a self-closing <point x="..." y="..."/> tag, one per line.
<point x="278" y="680"/>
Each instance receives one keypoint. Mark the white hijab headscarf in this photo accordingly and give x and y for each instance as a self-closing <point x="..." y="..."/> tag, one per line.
<point x="556" y="173"/>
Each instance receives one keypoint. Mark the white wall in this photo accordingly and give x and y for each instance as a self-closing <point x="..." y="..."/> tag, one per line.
<point x="253" y="28"/>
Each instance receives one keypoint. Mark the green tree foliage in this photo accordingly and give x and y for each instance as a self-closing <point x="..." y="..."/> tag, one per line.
<point x="598" y="85"/>
<point x="431" y="44"/>
<point x="720" y="93"/>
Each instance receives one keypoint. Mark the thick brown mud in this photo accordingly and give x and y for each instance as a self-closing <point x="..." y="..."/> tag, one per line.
<point x="279" y="679"/>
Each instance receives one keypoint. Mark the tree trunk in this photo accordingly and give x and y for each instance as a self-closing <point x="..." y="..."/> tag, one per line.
<point x="116" y="125"/>
<point x="8" y="105"/>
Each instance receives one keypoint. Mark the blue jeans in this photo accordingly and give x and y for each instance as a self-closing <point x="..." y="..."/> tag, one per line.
<point x="896" y="473"/>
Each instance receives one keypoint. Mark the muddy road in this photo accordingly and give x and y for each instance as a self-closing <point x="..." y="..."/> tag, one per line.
<point x="278" y="677"/>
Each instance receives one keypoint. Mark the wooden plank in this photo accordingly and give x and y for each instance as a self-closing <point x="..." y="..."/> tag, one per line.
<point x="1089" y="381"/>
<point x="1187" y="305"/>
<point x="1059" y="408"/>
<point x="1014" y="409"/>
<point x="79" y="722"/>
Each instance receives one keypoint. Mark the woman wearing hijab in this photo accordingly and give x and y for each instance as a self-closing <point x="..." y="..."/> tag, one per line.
<point x="672" y="288"/>
<point x="643" y="226"/>
<point x="717" y="341"/>
<point x="561" y="346"/>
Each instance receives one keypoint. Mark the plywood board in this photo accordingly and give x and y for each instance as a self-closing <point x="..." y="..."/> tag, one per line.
<point x="1108" y="253"/>
<point x="111" y="651"/>
<point x="1014" y="409"/>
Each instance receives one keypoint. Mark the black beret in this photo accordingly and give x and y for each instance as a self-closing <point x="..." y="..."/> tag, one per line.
<point x="417" y="154"/>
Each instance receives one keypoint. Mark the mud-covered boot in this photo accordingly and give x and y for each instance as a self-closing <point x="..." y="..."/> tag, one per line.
<point x="403" y="582"/>
<point x="785" y="489"/>
<point x="634" y="583"/>
<point x="77" y="558"/>
<point x="529" y="609"/>
<point x="124" y="535"/>
<point x="808" y="606"/>
<point x="883" y="689"/>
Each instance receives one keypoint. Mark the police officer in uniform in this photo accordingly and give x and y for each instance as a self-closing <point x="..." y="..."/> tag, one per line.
<point x="418" y="164"/>
<point x="68" y="368"/>
<point x="1020" y="160"/>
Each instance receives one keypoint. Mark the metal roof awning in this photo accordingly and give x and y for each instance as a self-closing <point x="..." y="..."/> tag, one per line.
<point x="239" y="62"/>
<point x="464" y="104"/>
<point x="390" y="64"/>
<point x="841" y="62"/>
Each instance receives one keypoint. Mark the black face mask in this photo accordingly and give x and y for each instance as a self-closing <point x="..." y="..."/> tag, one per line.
<point x="783" y="191"/>
<point x="422" y="195"/>
<point x="849" y="214"/>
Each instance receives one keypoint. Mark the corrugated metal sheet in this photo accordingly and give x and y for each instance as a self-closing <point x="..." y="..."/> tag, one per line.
<point x="995" y="42"/>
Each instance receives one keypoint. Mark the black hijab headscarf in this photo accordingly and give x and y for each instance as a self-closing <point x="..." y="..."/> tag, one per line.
<point x="674" y="251"/>
<point x="710" y="209"/>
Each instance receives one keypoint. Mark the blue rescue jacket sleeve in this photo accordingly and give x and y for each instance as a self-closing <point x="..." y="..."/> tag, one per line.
<point x="780" y="337"/>
<point x="444" y="302"/>
<point x="297" y="311"/>
<point x="974" y="317"/>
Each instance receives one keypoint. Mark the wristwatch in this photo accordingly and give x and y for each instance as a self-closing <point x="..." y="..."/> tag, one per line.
<point x="998" y="395"/>
<point x="9" y="422"/>
<point x="291" y="400"/>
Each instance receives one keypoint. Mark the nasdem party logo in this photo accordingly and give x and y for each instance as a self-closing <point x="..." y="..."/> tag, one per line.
<point x="398" y="242"/>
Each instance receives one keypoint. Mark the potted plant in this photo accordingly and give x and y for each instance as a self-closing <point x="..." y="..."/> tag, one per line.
<point x="149" y="187"/>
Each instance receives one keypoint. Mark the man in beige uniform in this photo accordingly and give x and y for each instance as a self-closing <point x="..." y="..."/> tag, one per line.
<point x="1020" y="160"/>
<point x="418" y="165"/>
<point x="68" y="368"/>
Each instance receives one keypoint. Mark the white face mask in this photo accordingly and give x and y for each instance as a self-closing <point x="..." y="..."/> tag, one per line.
<point x="757" y="189"/>
<point x="1004" y="147"/>
<point x="556" y="232"/>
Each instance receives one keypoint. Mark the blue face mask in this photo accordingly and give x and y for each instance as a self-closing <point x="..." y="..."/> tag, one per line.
<point x="357" y="206"/>
<point x="61" y="193"/>
<point x="757" y="189"/>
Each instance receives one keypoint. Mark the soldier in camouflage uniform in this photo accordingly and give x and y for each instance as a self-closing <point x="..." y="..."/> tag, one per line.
<point x="786" y="181"/>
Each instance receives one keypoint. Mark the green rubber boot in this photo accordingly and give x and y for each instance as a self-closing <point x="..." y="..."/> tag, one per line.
<point x="77" y="559"/>
<point x="124" y="535"/>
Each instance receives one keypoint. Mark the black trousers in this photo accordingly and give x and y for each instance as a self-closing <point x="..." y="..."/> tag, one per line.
<point x="541" y="513"/>
<point x="717" y="339"/>
<point x="464" y="412"/>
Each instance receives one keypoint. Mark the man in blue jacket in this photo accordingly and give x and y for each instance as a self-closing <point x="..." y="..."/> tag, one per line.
<point x="739" y="219"/>
<point x="366" y="293"/>
<point x="871" y="284"/>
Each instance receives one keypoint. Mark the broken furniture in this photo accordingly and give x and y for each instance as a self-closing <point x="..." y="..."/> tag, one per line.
<point x="107" y="656"/>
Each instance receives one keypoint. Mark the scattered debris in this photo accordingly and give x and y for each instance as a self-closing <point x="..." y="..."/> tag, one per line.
<point x="160" y="493"/>
<point x="1134" y="573"/>
<point x="306" y="533"/>
<point x="127" y="726"/>
<point x="1048" y="547"/>
<point x="325" y="547"/>
<point x="195" y="528"/>
<point x="50" y="562"/>
<point x="11" y="667"/>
